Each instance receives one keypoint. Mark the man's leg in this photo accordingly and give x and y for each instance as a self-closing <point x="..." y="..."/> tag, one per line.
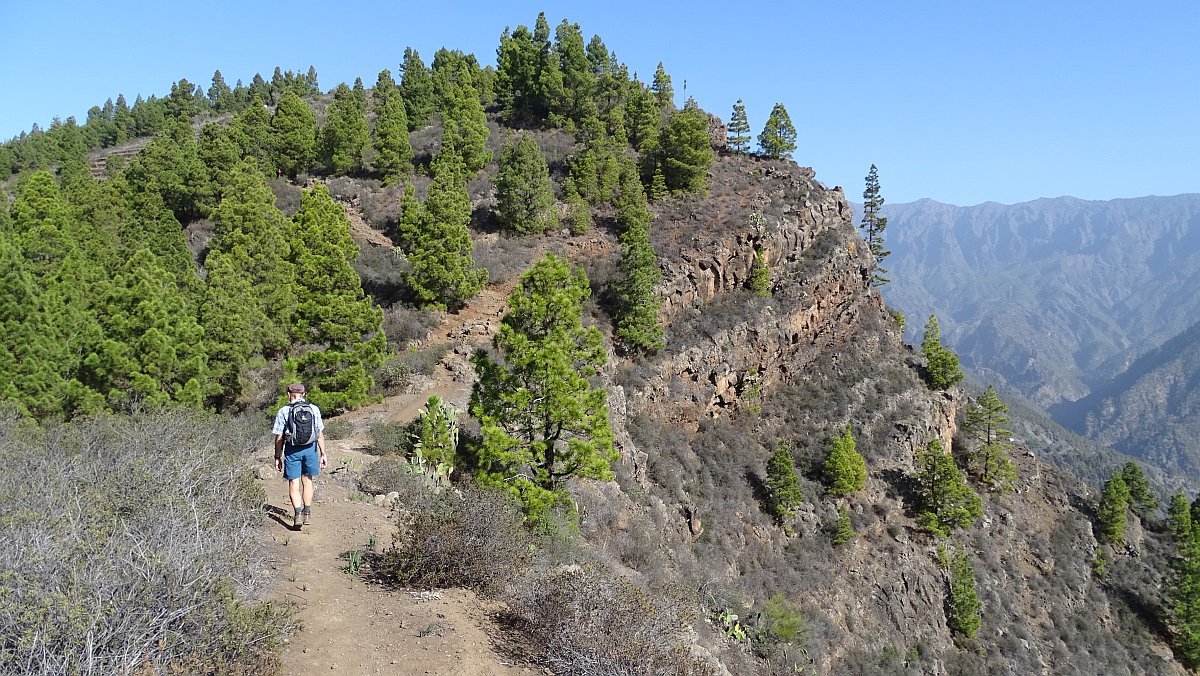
<point x="308" y="495"/>
<point x="295" y="492"/>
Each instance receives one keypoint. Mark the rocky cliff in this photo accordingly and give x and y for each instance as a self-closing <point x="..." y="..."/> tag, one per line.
<point x="697" y="423"/>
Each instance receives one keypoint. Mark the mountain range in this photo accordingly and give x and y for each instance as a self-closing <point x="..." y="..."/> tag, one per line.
<point x="1086" y="308"/>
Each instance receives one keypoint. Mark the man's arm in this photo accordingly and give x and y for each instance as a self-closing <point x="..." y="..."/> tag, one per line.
<point x="321" y="448"/>
<point x="279" y="452"/>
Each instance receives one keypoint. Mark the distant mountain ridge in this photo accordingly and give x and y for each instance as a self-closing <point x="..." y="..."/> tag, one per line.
<point x="1055" y="297"/>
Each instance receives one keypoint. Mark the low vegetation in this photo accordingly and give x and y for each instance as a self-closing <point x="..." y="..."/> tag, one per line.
<point x="126" y="546"/>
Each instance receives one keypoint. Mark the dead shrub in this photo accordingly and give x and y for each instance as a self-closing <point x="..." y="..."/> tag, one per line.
<point x="126" y="543"/>
<point x="471" y="537"/>
<point x="588" y="620"/>
<point x="403" y="324"/>
<point x="504" y="257"/>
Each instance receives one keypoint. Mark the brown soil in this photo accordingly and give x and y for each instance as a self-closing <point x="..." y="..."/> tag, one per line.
<point x="348" y="623"/>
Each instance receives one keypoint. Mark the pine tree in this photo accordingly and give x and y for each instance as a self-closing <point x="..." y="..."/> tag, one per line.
<point x="643" y="119"/>
<point x="664" y="93"/>
<point x="35" y="362"/>
<point x="1182" y="588"/>
<point x="759" y="282"/>
<point x="844" y="529"/>
<point x="524" y="194"/>
<point x="360" y="95"/>
<point x="416" y="86"/>
<point x="1141" y="499"/>
<point x="516" y="77"/>
<point x="393" y="151"/>
<point x="778" y="137"/>
<point x="344" y="138"/>
<point x="153" y="351"/>
<point x="293" y="135"/>
<point x="985" y="423"/>
<point x="170" y="165"/>
<point x="1179" y="519"/>
<point x="783" y="485"/>
<point x="946" y="500"/>
<point x="578" y="82"/>
<point x="845" y="469"/>
<point x="1111" y="514"/>
<point x="220" y="154"/>
<point x="579" y="212"/>
<point x="385" y="88"/>
<point x="541" y="421"/>
<point x="548" y="85"/>
<point x="963" y="608"/>
<point x="464" y="122"/>
<point x="873" y="224"/>
<point x="248" y="267"/>
<point x="443" y="273"/>
<point x="252" y="131"/>
<point x="220" y="97"/>
<point x="739" y="128"/>
<point x="941" y="363"/>
<point x="332" y="312"/>
<point x="685" y="151"/>
<point x="638" y="326"/>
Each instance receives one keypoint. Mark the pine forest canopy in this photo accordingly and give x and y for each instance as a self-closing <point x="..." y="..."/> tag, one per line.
<point x="261" y="289"/>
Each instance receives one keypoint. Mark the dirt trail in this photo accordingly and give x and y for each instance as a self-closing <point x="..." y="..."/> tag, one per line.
<point x="351" y="626"/>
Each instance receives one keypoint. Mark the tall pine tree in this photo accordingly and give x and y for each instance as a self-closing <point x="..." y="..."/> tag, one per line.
<point x="344" y="138"/>
<point x="985" y="423"/>
<point x="524" y="194"/>
<point x="443" y="273"/>
<point x="393" y="150"/>
<point x="541" y="421"/>
<point x="778" y="137"/>
<point x="416" y="86"/>
<point x="873" y="224"/>
<point x="739" y="128"/>
<point x="332" y="312"/>
<point x="293" y="134"/>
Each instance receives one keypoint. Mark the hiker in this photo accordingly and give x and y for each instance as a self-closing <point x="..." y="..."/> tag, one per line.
<point x="299" y="450"/>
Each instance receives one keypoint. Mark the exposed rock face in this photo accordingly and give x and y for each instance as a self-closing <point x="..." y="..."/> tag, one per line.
<point x="718" y="132"/>
<point x="697" y="424"/>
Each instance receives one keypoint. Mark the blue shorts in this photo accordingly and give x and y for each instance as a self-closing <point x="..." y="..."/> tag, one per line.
<point x="301" y="460"/>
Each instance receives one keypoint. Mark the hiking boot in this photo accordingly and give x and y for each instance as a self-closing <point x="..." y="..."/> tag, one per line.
<point x="297" y="520"/>
<point x="306" y="516"/>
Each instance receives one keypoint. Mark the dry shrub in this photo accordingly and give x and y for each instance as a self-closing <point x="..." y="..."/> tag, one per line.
<point x="287" y="196"/>
<point x="590" y="621"/>
<point x="382" y="273"/>
<point x="392" y="473"/>
<point x="504" y="257"/>
<point x="382" y="209"/>
<point x="392" y="438"/>
<point x="403" y="324"/>
<point x="126" y="544"/>
<point x="471" y="537"/>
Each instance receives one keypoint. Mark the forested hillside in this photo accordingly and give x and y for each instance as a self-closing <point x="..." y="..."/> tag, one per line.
<point x="695" y="441"/>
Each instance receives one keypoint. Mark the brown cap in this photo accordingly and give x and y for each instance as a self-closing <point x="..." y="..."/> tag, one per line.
<point x="296" y="387"/>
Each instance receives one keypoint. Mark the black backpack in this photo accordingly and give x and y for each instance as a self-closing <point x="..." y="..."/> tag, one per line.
<point x="301" y="429"/>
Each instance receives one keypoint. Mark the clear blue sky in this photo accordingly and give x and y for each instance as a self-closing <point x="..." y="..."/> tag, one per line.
<point x="962" y="102"/>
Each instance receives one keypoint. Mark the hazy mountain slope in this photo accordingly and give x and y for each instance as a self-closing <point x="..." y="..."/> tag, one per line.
<point x="1051" y="296"/>
<point x="1151" y="410"/>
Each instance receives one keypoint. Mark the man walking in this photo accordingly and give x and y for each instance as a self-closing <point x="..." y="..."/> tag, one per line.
<point x="299" y="450"/>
